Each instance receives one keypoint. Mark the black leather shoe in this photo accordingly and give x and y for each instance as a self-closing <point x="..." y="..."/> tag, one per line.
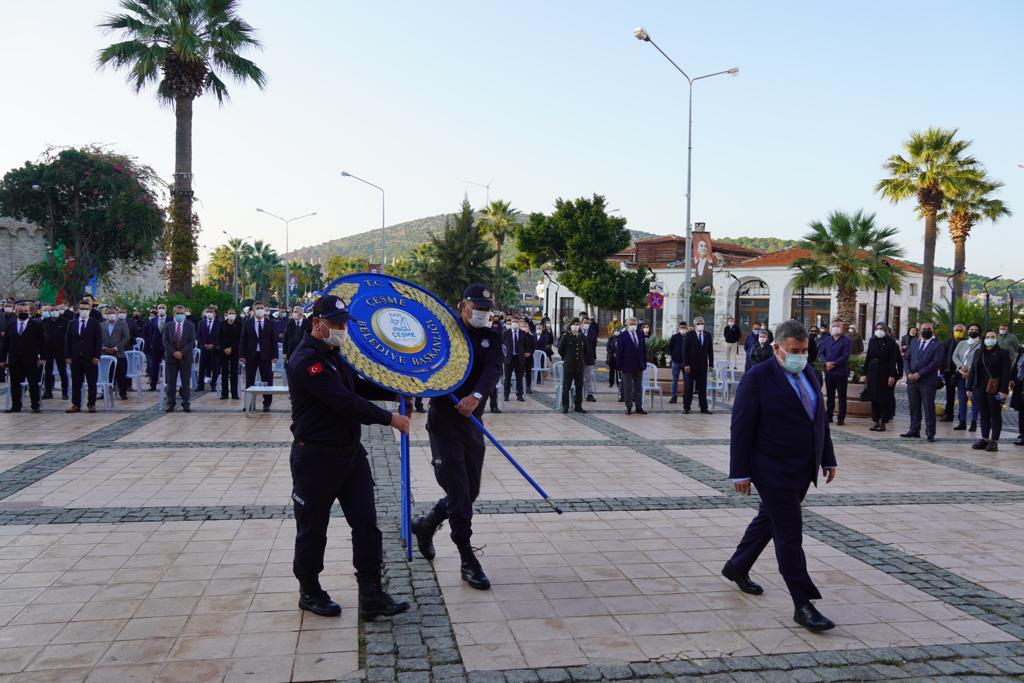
<point x="591" y="399"/>
<point x="472" y="572"/>
<point x="705" y="412"/>
<point x="1019" y="442"/>
<point x="13" y="410"/>
<point x="374" y="602"/>
<point x="629" y="409"/>
<point x="741" y="580"/>
<point x="686" y="411"/>
<point x="840" y="423"/>
<point x="565" y="411"/>
<point x="266" y="409"/>
<point x="960" y="427"/>
<point x="973" y="427"/>
<point x="992" y="447"/>
<point x="37" y="409"/>
<point x="980" y="444"/>
<point x="424" y="528"/>
<point x="496" y="410"/>
<point x="186" y="409"/>
<point x="640" y="411"/>
<point x="911" y="435"/>
<point x="48" y="395"/>
<point x="319" y="603"/>
<point x="673" y="400"/>
<point x="520" y="398"/>
<point x="931" y="439"/>
<point x="874" y="426"/>
<point x="420" y="409"/>
<point x="811" y="619"/>
<point x="579" y="410"/>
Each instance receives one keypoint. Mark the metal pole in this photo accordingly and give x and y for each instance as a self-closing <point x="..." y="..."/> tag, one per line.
<point x="952" y="299"/>
<point x="988" y="298"/>
<point x="382" y="231"/>
<point x="888" y="293"/>
<point x="874" y="309"/>
<point x="687" y="277"/>
<point x="1009" y="293"/>
<point x="287" y="280"/>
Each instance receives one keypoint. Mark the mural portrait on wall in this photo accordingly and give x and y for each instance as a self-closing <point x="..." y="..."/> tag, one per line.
<point x="703" y="262"/>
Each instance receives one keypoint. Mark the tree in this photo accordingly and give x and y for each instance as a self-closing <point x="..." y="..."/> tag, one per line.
<point x="967" y="207"/>
<point x="310" y="275"/>
<point x="220" y="271"/>
<point x="499" y="220"/>
<point x="607" y="286"/>
<point x="100" y="211"/>
<point x="847" y="253"/>
<point x="346" y="265"/>
<point x="259" y="261"/>
<point x="934" y="168"/>
<point x="457" y="257"/>
<point x="182" y="46"/>
<point x="412" y="266"/>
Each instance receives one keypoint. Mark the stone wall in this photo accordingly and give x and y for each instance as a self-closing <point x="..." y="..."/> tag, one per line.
<point x="25" y="243"/>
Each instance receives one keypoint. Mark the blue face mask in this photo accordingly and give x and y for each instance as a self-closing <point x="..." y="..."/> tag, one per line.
<point x="179" y="317"/>
<point x="795" y="363"/>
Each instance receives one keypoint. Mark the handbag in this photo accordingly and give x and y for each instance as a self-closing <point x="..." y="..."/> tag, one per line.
<point x="992" y="385"/>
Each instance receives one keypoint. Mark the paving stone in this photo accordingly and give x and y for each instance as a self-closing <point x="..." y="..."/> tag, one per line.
<point x="553" y="675"/>
<point x="585" y="673"/>
<point x="615" y="672"/>
<point x="413" y="677"/>
<point x="522" y="676"/>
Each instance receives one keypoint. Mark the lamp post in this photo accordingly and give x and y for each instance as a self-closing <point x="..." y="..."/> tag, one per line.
<point x="888" y="289"/>
<point x="287" y="222"/>
<point x="642" y="35"/>
<point x="988" y="296"/>
<point x="803" y="289"/>
<point x="346" y="174"/>
<point x="234" y="277"/>
<point x="487" y="189"/>
<point x="1009" y="294"/>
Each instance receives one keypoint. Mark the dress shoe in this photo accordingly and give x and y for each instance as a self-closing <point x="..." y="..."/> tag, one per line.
<point x="840" y="423"/>
<point x="811" y="619"/>
<point x="673" y="400"/>
<point x="223" y="398"/>
<point x="169" y="409"/>
<point x="374" y="602"/>
<point x="961" y="426"/>
<point x="640" y="411"/>
<point x="319" y="603"/>
<point x="420" y="409"/>
<point x="881" y="426"/>
<point x="36" y="410"/>
<point x="1019" y="441"/>
<point x="580" y="410"/>
<point x="947" y="418"/>
<point x="266" y="409"/>
<point x="931" y="439"/>
<point x="235" y="397"/>
<point x="741" y="580"/>
<point x="705" y="412"/>
<point x="520" y="398"/>
<point x="911" y="435"/>
<point x="565" y="411"/>
<point x="629" y="409"/>
<point x="124" y="397"/>
<point x="992" y="447"/>
<point x="686" y="411"/>
<point x="186" y="409"/>
<point x="591" y="399"/>
<point x="48" y="395"/>
<point x="506" y="399"/>
<point x="980" y="444"/>
<point x="973" y="427"/>
<point x="622" y="400"/>
<point x="63" y="397"/>
<point x="472" y="572"/>
<point x="91" y="409"/>
<point x="73" y="409"/>
<point x="875" y="426"/>
<point x="496" y="411"/>
<point x="424" y="528"/>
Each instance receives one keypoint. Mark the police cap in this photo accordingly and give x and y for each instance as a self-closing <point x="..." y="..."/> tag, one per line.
<point x="332" y="309"/>
<point x="479" y="295"/>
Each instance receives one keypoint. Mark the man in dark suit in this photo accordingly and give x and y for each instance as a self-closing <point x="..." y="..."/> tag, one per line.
<point x="519" y="345"/>
<point x="572" y="347"/>
<point x="152" y="336"/>
<point x="700" y="356"/>
<point x="55" y="327"/>
<point x="83" y="344"/>
<point x="21" y="351"/>
<point x="293" y="334"/>
<point x="631" y="356"/>
<point x="116" y="339"/>
<point x="258" y="347"/>
<point x="209" y="361"/>
<point x="179" y="340"/>
<point x="227" y="343"/>
<point x="834" y="352"/>
<point x="589" y="328"/>
<point x="677" y="351"/>
<point x="780" y="439"/>
<point x="924" y="358"/>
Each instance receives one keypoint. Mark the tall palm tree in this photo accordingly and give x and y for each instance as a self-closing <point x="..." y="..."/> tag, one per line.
<point x="260" y="261"/>
<point x="182" y="46"/>
<point x="963" y="211"/>
<point x="499" y="220"/>
<point x="934" y="168"/>
<point x="848" y="253"/>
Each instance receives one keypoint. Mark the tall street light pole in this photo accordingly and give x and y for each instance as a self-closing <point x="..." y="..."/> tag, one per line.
<point x="988" y="296"/>
<point x="643" y="35"/>
<point x="287" y="222"/>
<point x="346" y="174"/>
<point x="1009" y="294"/>
<point x="888" y="291"/>
<point x="487" y="189"/>
<point x="234" y="277"/>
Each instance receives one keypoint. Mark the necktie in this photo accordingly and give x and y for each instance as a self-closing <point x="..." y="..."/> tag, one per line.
<point x="633" y="335"/>
<point x="514" y="335"/>
<point x="700" y="338"/>
<point x="81" y="328"/>
<point x="21" y="328"/>
<point x="805" y="398"/>
<point x="177" y="334"/>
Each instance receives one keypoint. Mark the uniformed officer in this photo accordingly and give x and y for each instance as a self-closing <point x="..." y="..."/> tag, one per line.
<point x="456" y="445"/>
<point x="328" y="462"/>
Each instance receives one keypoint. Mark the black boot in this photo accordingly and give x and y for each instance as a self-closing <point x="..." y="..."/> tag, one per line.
<point x="472" y="572"/>
<point x="374" y="602"/>
<point x="424" y="528"/>
<point x="316" y="600"/>
<point x="961" y="426"/>
<point x="973" y="427"/>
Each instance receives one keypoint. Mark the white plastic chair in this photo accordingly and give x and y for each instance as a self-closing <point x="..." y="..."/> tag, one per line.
<point x="194" y="373"/>
<point x="135" y="369"/>
<point x="105" y="385"/>
<point x="7" y="394"/>
<point x="558" y="375"/>
<point x="140" y="344"/>
<point x="717" y="384"/>
<point x="541" y="366"/>
<point x="650" y="385"/>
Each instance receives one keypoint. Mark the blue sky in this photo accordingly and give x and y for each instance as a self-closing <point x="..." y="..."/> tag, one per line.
<point x="552" y="99"/>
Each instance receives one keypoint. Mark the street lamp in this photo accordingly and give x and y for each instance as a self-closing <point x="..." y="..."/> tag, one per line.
<point x="1009" y="294"/>
<point x="988" y="297"/>
<point x="287" y="222"/>
<point x="487" y="189"/>
<point x="234" y="278"/>
<point x="888" y="291"/>
<point x="346" y="174"/>
<point x="803" y="298"/>
<point x="642" y="35"/>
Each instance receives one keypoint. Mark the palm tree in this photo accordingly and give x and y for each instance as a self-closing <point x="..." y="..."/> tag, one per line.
<point x="177" y="45"/>
<point x="934" y="168"/>
<point x="259" y="261"/>
<point x="499" y="220"/>
<point x="848" y="253"/>
<point x="963" y="211"/>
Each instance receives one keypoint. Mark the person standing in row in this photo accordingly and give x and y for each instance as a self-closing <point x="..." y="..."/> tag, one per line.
<point x="589" y="328"/>
<point x="762" y="350"/>
<point x="963" y="359"/>
<point x="153" y="338"/>
<point x="296" y="330"/>
<point x="55" y="328"/>
<point x="209" y="352"/>
<point x="1008" y="340"/>
<point x="950" y="371"/>
<point x="115" y="341"/>
<point x="677" y="353"/>
<point x="924" y="357"/>
<point x="519" y="347"/>
<point x="700" y="357"/>
<point x="543" y="341"/>
<point x="572" y="348"/>
<point x="179" y="340"/>
<point x="631" y="354"/>
<point x="834" y="352"/>
<point x="880" y="370"/>
<point x="1017" y="402"/>
<point x="731" y="334"/>
<point x="21" y="352"/>
<point x="83" y="345"/>
<point x="258" y="347"/>
<point x="230" y="334"/>
<point x="987" y="385"/>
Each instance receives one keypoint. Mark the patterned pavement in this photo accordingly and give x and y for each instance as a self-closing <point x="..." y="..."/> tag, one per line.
<point x="148" y="547"/>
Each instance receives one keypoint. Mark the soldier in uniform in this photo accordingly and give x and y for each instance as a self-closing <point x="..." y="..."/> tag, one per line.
<point x="456" y="445"/>
<point x="572" y="347"/>
<point x="329" y="403"/>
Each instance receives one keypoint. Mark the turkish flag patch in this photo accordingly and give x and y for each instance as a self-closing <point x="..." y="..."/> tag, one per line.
<point x="315" y="369"/>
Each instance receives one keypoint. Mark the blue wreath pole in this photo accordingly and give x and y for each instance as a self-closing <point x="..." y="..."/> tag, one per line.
<point x="406" y="488"/>
<point x="501" y="449"/>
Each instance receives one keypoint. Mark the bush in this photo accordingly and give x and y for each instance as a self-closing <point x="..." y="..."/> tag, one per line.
<point x="856" y="369"/>
<point x="657" y="351"/>
<point x="202" y="296"/>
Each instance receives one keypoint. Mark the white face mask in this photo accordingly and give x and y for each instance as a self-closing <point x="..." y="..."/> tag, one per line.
<point x="700" y="328"/>
<point x="297" y="316"/>
<point x="111" y="317"/>
<point x="574" y="328"/>
<point x="631" y="328"/>
<point x="762" y="340"/>
<point x="478" y="318"/>
<point x="879" y="333"/>
<point x="209" y="315"/>
<point x="337" y="338"/>
<point x="84" y="315"/>
<point x="837" y="331"/>
<point x="259" y="313"/>
<point x="161" y="312"/>
<point x="122" y="316"/>
<point x="8" y="309"/>
<point x="231" y="317"/>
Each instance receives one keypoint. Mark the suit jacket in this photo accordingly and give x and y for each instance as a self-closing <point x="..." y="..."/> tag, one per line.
<point x="591" y="350"/>
<point x="119" y="339"/>
<point x="54" y="330"/>
<point x="572" y="349"/>
<point x="229" y="336"/>
<point x="187" y="343"/>
<point x="153" y="337"/>
<point x="267" y="340"/>
<point x="293" y="334"/>
<point x="204" y="335"/>
<point x="85" y="346"/>
<point x="543" y="341"/>
<point x="677" y="347"/>
<point x="631" y="357"/>
<point x="28" y="347"/>
<point x="832" y="350"/>
<point x="699" y="357"/>
<point x="924" y="362"/>
<point x="774" y="441"/>
<point x="523" y="348"/>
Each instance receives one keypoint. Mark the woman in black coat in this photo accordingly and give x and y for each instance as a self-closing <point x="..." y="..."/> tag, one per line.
<point x="991" y="363"/>
<point x="1017" y="400"/>
<point x="881" y="369"/>
<point x="609" y="358"/>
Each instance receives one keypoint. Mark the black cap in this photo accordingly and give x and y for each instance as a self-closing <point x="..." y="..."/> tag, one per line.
<point x="479" y="295"/>
<point x="332" y="309"/>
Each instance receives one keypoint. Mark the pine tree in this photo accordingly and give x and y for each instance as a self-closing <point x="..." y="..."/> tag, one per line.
<point x="458" y="257"/>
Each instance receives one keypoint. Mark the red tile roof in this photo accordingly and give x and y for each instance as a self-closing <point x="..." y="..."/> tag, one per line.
<point x="786" y="257"/>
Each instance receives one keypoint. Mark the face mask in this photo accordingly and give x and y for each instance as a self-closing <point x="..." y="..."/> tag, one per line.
<point x="8" y="309"/>
<point x="879" y="333"/>
<point x="259" y="313"/>
<point x="179" y="317"/>
<point x="837" y="331"/>
<point x="209" y="315"/>
<point x="44" y="315"/>
<point x="958" y="335"/>
<point x="762" y="340"/>
<point x="337" y="338"/>
<point x="574" y="328"/>
<point x="1002" y="332"/>
<point x="990" y="342"/>
<point x="83" y="314"/>
<point x="297" y="316"/>
<point x="731" y="323"/>
<point x="23" y="315"/>
<point x="795" y="362"/>
<point x="231" y="317"/>
<point x="926" y="334"/>
<point x="700" y="328"/>
<point x="111" y="318"/>
<point x="478" y="318"/>
<point x="122" y="316"/>
<point x="616" y="333"/>
<point x="161" y="312"/>
<point x="682" y="330"/>
<point x="63" y="308"/>
<point x="631" y="328"/>
<point x="973" y="334"/>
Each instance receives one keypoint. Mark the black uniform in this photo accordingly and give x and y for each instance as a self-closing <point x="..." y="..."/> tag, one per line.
<point x="54" y="331"/>
<point x="22" y="349"/>
<point x="456" y="445"/>
<point x="328" y="462"/>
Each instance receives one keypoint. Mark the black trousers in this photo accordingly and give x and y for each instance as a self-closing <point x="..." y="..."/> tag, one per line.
<point x="228" y="375"/>
<point x="835" y="385"/>
<point x="153" y="369"/>
<point x="779" y="519"/>
<point x="83" y="369"/>
<point x="121" y="376"/>
<point x="457" y="452"/>
<point x="921" y="397"/>
<point x="950" y="379"/>
<point x="510" y="370"/>
<point x="320" y="475"/>
<point x="54" y="360"/>
<point x="266" y="368"/>
<point x="989" y="410"/>
<point x="576" y="379"/>
<point x="20" y="371"/>
<point x="208" y="367"/>
<point x="173" y="368"/>
<point x="699" y="381"/>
